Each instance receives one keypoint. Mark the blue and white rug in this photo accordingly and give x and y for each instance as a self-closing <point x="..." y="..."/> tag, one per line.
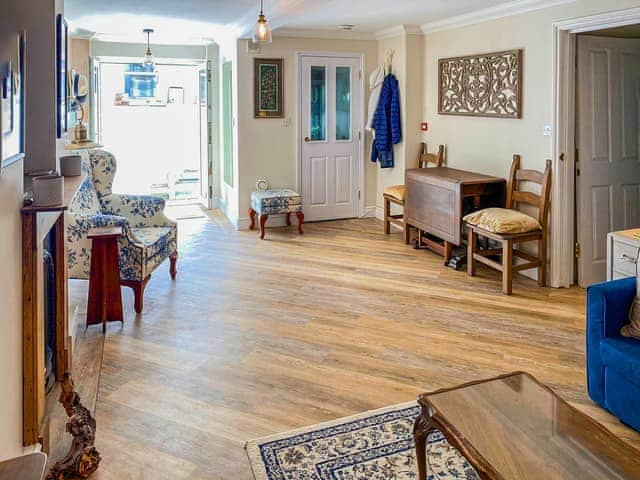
<point x="375" y="445"/>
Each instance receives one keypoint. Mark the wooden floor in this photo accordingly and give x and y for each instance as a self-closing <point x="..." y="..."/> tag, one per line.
<point x="258" y="337"/>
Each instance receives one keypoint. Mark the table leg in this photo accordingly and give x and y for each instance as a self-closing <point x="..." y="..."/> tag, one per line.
<point x="421" y="429"/>
<point x="300" y="216"/>
<point x="263" y="222"/>
<point x="105" y="300"/>
<point x="252" y="219"/>
<point x="288" y="218"/>
<point x="448" y="250"/>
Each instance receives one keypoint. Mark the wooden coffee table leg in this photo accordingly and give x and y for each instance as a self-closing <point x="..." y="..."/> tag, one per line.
<point x="421" y="429"/>
<point x="288" y="218"/>
<point x="263" y="222"/>
<point x="300" y="216"/>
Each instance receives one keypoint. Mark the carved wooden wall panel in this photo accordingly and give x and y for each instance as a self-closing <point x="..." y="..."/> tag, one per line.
<point x="488" y="85"/>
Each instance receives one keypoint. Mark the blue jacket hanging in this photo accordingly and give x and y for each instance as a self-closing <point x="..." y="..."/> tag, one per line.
<point x="386" y="123"/>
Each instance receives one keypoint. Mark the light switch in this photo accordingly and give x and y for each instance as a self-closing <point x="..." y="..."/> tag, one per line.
<point x="286" y="122"/>
<point x="547" y="130"/>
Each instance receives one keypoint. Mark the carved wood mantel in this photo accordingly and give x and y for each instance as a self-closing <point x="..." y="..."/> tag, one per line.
<point x="37" y="223"/>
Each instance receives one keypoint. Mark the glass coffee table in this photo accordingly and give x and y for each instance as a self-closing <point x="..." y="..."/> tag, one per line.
<point x="515" y="428"/>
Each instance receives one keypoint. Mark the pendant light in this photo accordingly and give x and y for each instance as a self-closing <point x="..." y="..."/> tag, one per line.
<point x="148" y="56"/>
<point x="262" y="31"/>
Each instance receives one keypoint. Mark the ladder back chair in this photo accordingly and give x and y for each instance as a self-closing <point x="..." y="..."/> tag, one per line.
<point x="510" y="227"/>
<point x="396" y="193"/>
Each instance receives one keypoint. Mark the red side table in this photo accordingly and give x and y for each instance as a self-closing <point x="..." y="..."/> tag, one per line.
<point x="105" y="298"/>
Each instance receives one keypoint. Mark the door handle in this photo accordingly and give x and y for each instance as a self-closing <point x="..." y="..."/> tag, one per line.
<point x="307" y="139"/>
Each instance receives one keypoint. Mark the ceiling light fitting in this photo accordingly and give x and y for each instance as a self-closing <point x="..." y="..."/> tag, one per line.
<point x="261" y="31"/>
<point x="148" y="56"/>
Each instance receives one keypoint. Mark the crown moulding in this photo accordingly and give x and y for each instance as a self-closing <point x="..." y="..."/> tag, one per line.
<point x="397" y="31"/>
<point x="492" y="13"/>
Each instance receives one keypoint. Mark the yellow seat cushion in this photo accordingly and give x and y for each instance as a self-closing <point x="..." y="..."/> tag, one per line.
<point x="503" y="220"/>
<point x="396" y="191"/>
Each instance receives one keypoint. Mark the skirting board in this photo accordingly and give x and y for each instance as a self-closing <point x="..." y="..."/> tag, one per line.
<point x="280" y="220"/>
<point x="370" y="212"/>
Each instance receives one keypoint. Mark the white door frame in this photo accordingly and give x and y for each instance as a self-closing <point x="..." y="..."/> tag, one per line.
<point x="563" y="87"/>
<point x="300" y="128"/>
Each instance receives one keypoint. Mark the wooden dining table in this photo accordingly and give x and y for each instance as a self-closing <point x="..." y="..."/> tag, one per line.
<point x="437" y="199"/>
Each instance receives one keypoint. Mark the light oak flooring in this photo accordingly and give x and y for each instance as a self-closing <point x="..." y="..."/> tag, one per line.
<point x="258" y="337"/>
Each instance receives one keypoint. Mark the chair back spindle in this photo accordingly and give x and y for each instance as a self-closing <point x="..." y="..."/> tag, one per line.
<point x="425" y="158"/>
<point x="516" y="195"/>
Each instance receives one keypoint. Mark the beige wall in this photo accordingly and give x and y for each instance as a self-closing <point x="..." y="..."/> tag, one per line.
<point x="487" y="145"/>
<point x="37" y="17"/>
<point x="407" y="67"/>
<point x="267" y="148"/>
<point x="79" y="49"/>
<point x="11" y="319"/>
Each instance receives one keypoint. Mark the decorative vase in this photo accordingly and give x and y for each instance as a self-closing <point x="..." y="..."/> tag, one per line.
<point x="48" y="190"/>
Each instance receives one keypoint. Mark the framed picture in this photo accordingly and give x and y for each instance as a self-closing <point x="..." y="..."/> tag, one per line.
<point x="268" y="88"/>
<point x="484" y="85"/>
<point x="12" y="106"/>
<point x="62" y="53"/>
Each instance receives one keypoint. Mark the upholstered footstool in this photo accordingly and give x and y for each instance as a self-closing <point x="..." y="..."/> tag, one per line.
<point x="275" y="202"/>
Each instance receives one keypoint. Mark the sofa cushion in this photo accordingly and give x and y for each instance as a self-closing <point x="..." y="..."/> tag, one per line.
<point x="395" y="191"/>
<point x="503" y="220"/>
<point x="623" y="356"/>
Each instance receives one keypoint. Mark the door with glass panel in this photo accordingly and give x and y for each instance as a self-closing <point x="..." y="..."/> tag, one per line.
<point x="331" y="113"/>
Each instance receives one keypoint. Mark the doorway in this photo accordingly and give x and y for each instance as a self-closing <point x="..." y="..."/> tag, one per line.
<point x="566" y="250"/>
<point x="155" y="123"/>
<point x="607" y="167"/>
<point x="331" y="113"/>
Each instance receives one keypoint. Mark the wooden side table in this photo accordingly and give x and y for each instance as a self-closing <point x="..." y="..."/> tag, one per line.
<point x="105" y="298"/>
<point x="27" y="467"/>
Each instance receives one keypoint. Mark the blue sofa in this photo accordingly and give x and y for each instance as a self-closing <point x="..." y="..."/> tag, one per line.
<point x="613" y="361"/>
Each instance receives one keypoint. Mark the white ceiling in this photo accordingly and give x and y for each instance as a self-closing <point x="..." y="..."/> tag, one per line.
<point x="192" y="21"/>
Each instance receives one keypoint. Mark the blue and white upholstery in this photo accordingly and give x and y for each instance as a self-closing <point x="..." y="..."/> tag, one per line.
<point x="275" y="202"/>
<point x="149" y="237"/>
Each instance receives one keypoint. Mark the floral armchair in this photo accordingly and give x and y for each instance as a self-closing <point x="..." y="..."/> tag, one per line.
<point x="148" y="239"/>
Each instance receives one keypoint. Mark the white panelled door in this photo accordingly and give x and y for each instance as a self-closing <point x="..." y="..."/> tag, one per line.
<point x="331" y="122"/>
<point x="608" y="170"/>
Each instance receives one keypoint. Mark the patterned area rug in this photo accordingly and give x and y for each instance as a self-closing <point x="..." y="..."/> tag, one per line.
<point x="376" y="445"/>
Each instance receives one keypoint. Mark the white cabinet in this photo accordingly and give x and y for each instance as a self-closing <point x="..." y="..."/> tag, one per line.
<point x="622" y="253"/>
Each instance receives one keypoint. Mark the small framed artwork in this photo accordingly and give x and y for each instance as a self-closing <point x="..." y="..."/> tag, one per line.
<point x="62" y="89"/>
<point x="268" y="87"/>
<point x="12" y="106"/>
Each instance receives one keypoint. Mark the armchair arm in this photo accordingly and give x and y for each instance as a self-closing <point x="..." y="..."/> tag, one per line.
<point x="140" y="210"/>
<point x="608" y="307"/>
